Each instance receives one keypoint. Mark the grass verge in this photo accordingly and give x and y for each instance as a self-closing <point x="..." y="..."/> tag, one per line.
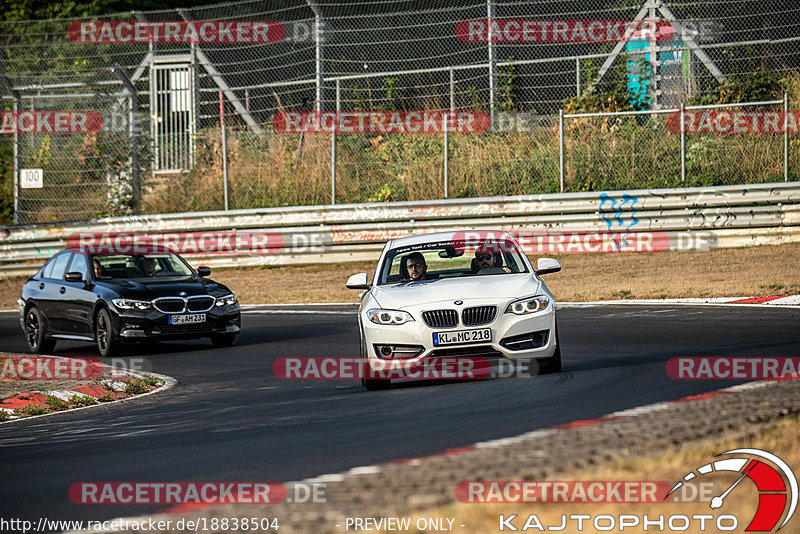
<point x="750" y="271"/>
<point x="753" y="271"/>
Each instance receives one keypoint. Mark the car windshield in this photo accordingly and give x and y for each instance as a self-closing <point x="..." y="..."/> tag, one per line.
<point x="449" y="259"/>
<point x="117" y="266"/>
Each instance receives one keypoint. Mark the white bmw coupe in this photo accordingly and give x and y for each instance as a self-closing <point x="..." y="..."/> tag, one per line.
<point x="455" y="295"/>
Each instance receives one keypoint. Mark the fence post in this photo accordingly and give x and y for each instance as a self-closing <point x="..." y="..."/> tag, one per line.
<point x="683" y="144"/>
<point x="492" y="58"/>
<point x="17" y="163"/>
<point x="133" y="138"/>
<point x="446" y="156"/>
<point x="333" y="147"/>
<point x="785" y="137"/>
<point x="561" y="148"/>
<point x="577" y="77"/>
<point x="452" y="90"/>
<point x="319" y="62"/>
<point x="224" y="149"/>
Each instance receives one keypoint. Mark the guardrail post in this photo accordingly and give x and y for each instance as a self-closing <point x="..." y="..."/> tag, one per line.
<point x="224" y="149"/>
<point x="333" y="146"/>
<point x="561" y="148"/>
<point x="683" y="145"/>
<point x="785" y="137"/>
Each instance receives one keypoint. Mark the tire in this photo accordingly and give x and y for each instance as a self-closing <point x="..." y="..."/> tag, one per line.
<point x="370" y="384"/>
<point x="553" y="364"/>
<point x="105" y="334"/>
<point x="36" y="332"/>
<point x="222" y="340"/>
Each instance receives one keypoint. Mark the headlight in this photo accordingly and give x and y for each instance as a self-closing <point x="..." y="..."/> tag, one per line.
<point x="528" y="305"/>
<point x="379" y="316"/>
<point x="227" y="300"/>
<point x="128" y="304"/>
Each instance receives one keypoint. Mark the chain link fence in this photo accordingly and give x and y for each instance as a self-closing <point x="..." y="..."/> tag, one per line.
<point x="164" y="82"/>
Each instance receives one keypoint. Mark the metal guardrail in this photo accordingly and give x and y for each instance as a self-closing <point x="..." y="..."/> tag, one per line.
<point x="677" y="219"/>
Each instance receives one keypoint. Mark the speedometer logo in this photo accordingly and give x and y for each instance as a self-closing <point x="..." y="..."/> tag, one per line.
<point x="775" y="481"/>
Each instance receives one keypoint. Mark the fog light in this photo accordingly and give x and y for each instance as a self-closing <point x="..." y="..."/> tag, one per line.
<point x="386" y="351"/>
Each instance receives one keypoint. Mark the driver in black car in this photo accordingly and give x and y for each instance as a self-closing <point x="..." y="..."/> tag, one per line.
<point x="149" y="266"/>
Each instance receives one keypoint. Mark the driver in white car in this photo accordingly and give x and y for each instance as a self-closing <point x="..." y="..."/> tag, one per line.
<point x="416" y="266"/>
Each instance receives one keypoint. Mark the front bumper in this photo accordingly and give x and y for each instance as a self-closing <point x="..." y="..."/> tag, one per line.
<point x="515" y="337"/>
<point x="152" y="324"/>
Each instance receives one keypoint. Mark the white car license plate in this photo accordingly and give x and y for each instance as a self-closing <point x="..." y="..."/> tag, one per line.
<point x="460" y="337"/>
<point x="187" y="319"/>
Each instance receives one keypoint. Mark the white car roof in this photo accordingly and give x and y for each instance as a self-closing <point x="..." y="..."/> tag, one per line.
<point x="440" y="236"/>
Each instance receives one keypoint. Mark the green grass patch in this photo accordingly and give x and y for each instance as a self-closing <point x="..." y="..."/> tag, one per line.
<point x="82" y="400"/>
<point x="136" y="387"/>
<point x="31" y="409"/>
<point x="55" y="404"/>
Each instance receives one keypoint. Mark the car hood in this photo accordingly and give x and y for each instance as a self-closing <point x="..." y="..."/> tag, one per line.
<point x="483" y="288"/>
<point x="148" y="290"/>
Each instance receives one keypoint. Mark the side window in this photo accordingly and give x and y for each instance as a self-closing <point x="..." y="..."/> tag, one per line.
<point x="79" y="265"/>
<point x="48" y="268"/>
<point x="60" y="266"/>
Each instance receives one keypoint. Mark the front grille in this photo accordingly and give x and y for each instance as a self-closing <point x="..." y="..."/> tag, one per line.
<point x="169" y="305"/>
<point x="485" y="351"/>
<point x="478" y="315"/>
<point x="199" y="304"/>
<point x="440" y="318"/>
<point x="185" y="328"/>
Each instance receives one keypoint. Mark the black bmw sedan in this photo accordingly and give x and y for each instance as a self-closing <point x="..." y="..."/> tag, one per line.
<point x="112" y="298"/>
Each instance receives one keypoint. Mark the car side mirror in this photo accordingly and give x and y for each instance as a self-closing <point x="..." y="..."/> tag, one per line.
<point x="547" y="265"/>
<point x="202" y="270"/>
<point x="73" y="277"/>
<point x="358" y="281"/>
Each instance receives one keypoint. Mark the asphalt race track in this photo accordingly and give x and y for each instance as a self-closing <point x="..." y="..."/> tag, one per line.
<point x="230" y="419"/>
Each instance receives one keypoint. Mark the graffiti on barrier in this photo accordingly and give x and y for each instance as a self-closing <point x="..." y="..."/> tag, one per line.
<point x="614" y="213"/>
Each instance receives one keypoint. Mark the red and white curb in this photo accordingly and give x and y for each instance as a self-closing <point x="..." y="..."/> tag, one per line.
<point x="780" y="300"/>
<point x="114" y="384"/>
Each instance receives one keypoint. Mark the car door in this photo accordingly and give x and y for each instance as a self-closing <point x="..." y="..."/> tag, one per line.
<point x="46" y="295"/>
<point x="77" y="299"/>
<point x="53" y="294"/>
